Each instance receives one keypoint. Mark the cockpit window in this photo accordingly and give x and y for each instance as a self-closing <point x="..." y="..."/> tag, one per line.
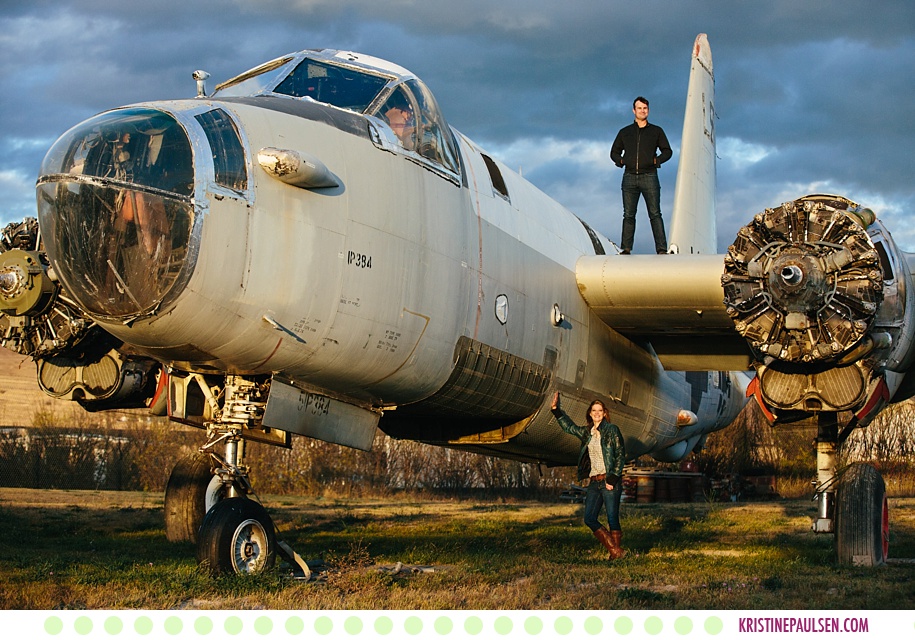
<point x="228" y="154"/>
<point x="401" y="101"/>
<point x="339" y="86"/>
<point x="115" y="203"/>
<point x="254" y="81"/>
<point x="433" y="138"/>
<point x="398" y="112"/>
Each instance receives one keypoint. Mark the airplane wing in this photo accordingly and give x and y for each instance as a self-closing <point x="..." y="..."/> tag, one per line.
<point x="674" y="302"/>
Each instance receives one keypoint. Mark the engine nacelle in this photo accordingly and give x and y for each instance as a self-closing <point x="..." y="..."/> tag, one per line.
<point x="821" y="293"/>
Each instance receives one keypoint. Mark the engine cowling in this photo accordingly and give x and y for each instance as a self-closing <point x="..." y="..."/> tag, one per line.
<point x="820" y="292"/>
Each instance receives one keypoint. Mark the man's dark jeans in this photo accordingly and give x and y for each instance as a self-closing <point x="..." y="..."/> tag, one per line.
<point x="648" y="186"/>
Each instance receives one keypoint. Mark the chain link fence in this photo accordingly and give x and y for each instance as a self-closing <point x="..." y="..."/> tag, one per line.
<point x="78" y="458"/>
<point x="137" y="453"/>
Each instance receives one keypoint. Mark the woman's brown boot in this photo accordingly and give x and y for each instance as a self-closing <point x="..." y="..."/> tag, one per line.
<point x="616" y="545"/>
<point x="606" y="539"/>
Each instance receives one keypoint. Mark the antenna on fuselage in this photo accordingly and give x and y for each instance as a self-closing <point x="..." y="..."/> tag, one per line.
<point x="201" y="77"/>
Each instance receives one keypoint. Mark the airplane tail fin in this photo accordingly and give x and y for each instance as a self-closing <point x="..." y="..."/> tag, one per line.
<point x="693" y="226"/>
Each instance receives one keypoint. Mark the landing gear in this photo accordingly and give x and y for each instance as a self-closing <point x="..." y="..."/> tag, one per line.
<point x="206" y="500"/>
<point x="851" y="502"/>
<point x="237" y="536"/>
<point x="192" y="490"/>
<point x="862" y="518"/>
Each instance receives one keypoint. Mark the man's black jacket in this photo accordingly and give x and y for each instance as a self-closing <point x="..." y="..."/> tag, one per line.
<point x="635" y="148"/>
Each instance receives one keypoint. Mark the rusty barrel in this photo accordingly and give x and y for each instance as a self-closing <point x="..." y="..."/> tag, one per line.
<point x="645" y="489"/>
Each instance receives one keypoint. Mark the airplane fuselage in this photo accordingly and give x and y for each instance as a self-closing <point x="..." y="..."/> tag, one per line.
<point x="442" y="294"/>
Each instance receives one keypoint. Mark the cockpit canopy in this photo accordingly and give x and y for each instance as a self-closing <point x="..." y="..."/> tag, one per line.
<point x="361" y="84"/>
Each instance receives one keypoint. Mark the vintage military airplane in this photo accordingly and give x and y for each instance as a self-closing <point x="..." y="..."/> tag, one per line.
<point x="310" y="249"/>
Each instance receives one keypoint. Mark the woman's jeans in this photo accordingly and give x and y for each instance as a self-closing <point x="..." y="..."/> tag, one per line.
<point x="597" y="496"/>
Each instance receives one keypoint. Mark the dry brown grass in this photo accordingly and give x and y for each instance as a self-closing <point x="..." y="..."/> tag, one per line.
<point x="86" y="549"/>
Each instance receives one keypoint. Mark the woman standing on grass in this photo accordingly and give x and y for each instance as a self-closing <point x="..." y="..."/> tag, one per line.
<point x="601" y="460"/>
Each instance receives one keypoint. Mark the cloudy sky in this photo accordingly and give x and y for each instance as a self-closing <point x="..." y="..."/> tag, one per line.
<point x="812" y="96"/>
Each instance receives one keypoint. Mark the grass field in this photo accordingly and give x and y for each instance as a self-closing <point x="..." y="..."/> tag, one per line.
<point x="107" y="550"/>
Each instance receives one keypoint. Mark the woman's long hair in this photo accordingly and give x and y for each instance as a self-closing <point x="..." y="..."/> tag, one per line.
<point x="591" y="406"/>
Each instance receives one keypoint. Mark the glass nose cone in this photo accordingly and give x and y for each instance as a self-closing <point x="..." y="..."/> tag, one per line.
<point x="116" y="211"/>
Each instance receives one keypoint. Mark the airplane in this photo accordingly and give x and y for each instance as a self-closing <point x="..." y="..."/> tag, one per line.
<point x="311" y="250"/>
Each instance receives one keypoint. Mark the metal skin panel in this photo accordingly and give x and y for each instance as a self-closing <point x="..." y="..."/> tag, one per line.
<point x="685" y="292"/>
<point x="683" y="318"/>
<point x="611" y="360"/>
<point x="898" y="311"/>
<point x="293" y="257"/>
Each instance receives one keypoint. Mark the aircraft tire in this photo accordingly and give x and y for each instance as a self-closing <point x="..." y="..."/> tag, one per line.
<point x="237" y="536"/>
<point x="862" y="519"/>
<point x="191" y="490"/>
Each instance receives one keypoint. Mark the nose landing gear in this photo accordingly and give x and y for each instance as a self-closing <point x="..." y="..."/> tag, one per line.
<point x="207" y="498"/>
<point x="237" y="536"/>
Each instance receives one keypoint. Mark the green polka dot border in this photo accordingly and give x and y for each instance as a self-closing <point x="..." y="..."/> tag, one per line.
<point x="424" y="625"/>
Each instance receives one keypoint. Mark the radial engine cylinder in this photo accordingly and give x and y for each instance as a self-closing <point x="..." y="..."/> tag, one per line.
<point x="35" y="320"/>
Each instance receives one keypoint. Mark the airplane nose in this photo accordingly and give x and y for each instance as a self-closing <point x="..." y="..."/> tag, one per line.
<point x="116" y="210"/>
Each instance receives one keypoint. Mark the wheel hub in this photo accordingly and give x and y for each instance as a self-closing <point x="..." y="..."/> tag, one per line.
<point x="249" y="541"/>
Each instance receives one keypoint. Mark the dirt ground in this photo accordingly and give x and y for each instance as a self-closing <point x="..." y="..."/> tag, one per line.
<point x="11" y="497"/>
<point x="19" y="392"/>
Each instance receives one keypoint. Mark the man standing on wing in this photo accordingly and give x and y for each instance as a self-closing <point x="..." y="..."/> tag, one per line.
<point x="636" y="149"/>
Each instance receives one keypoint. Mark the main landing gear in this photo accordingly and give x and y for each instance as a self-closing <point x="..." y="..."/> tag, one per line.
<point x="851" y="501"/>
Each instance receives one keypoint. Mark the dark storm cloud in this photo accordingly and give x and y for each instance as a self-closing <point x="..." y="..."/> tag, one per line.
<point x="809" y="95"/>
